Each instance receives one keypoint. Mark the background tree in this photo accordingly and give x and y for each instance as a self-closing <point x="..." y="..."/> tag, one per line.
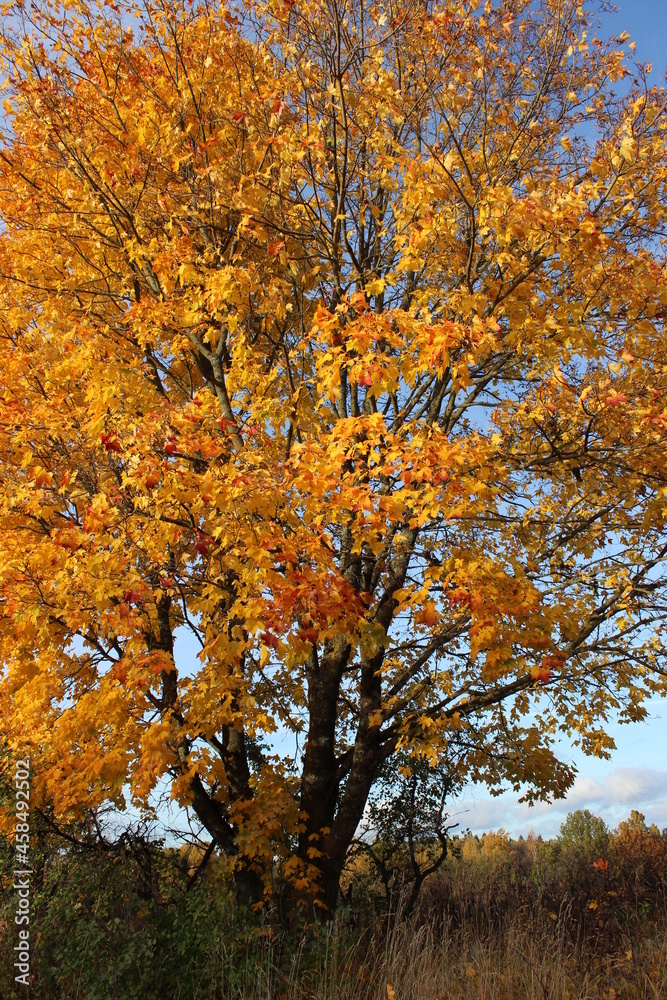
<point x="585" y="833"/>
<point x="332" y="333"/>
<point x="403" y="837"/>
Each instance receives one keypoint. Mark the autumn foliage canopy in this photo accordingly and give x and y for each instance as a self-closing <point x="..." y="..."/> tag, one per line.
<point x="332" y="335"/>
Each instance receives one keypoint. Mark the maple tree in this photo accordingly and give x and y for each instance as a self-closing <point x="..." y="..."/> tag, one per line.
<point x="333" y="333"/>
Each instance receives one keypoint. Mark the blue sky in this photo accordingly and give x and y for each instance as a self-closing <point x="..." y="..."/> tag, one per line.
<point x="635" y="777"/>
<point x="646" y="21"/>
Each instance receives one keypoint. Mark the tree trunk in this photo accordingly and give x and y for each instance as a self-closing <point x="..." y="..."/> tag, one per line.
<point x="320" y="777"/>
<point x="345" y="819"/>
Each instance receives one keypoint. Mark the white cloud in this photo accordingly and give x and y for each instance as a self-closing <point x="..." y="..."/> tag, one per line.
<point x="623" y="786"/>
<point x="612" y="796"/>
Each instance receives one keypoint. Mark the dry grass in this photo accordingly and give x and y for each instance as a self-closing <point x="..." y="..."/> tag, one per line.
<point x="418" y="962"/>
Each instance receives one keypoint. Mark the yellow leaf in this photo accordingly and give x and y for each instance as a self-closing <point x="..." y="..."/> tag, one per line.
<point x="628" y="147"/>
<point x="428" y="615"/>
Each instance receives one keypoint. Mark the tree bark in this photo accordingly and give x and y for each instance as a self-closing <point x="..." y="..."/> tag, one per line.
<point x="324" y="806"/>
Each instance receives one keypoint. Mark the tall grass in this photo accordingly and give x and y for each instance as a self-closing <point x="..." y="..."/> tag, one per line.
<point x="414" y="960"/>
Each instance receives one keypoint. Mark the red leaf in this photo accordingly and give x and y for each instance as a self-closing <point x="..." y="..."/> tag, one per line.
<point x="269" y="639"/>
<point x="110" y="442"/>
<point x="615" y="400"/>
<point x="42" y="478"/>
<point x="229" y="426"/>
<point x="541" y="674"/>
<point x="133" y="597"/>
<point x="203" y="545"/>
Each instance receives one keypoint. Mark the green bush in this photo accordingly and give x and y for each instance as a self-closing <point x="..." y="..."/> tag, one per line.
<point x="127" y="924"/>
